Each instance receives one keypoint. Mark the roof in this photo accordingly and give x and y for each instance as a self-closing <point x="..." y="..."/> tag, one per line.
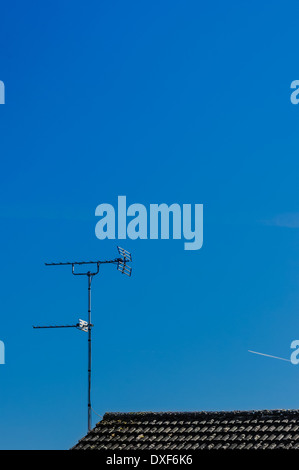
<point x="266" y="429"/>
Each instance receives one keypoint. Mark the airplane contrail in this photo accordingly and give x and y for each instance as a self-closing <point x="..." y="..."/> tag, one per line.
<point x="268" y="355"/>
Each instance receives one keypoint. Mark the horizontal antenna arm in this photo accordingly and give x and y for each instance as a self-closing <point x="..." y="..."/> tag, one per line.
<point x="58" y="326"/>
<point x="69" y="263"/>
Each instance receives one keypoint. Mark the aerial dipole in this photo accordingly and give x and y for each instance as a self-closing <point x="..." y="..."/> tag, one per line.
<point x="121" y="263"/>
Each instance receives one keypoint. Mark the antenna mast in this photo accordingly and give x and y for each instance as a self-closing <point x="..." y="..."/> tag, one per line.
<point x="82" y="325"/>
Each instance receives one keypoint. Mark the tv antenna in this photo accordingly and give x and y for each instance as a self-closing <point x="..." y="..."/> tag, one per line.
<point x="121" y="263"/>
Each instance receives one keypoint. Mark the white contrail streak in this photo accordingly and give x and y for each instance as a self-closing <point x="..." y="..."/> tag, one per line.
<point x="268" y="355"/>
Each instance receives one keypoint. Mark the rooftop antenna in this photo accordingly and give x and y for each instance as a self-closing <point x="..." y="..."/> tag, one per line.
<point x="121" y="263"/>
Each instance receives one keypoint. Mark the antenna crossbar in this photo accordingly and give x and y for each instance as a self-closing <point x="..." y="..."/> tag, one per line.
<point x="57" y="326"/>
<point x="72" y="263"/>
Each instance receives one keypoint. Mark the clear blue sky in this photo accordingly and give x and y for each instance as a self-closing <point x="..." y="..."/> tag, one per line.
<point x="171" y="101"/>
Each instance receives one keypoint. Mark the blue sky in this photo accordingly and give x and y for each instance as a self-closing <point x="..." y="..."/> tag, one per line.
<point x="164" y="102"/>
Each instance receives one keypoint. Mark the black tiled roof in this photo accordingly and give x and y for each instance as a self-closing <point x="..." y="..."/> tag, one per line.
<point x="267" y="429"/>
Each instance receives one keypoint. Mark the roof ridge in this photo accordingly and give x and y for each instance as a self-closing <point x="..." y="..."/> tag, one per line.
<point x="108" y="416"/>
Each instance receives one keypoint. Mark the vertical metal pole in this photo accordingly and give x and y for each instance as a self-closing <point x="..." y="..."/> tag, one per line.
<point x="89" y="349"/>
